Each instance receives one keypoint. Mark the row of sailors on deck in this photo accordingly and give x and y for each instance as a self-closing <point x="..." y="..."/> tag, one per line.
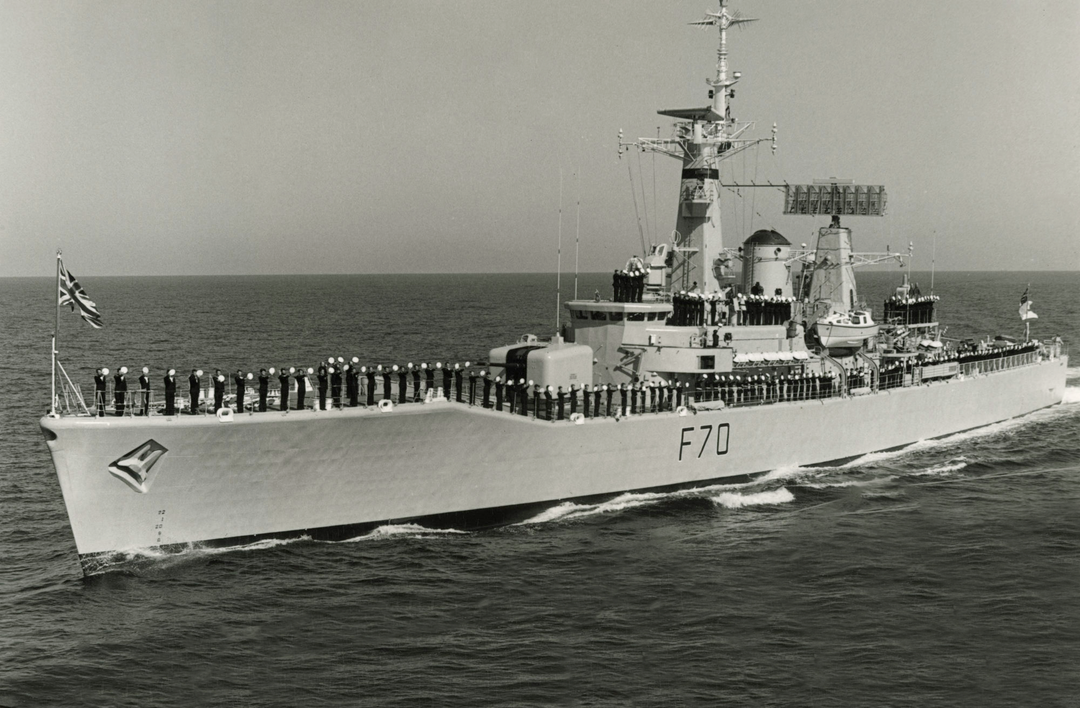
<point x="629" y="285"/>
<point x="693" y="309"/>
<point x="331" y="376"/>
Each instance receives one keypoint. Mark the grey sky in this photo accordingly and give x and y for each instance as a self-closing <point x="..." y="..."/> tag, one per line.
<point x="337" y="137"/>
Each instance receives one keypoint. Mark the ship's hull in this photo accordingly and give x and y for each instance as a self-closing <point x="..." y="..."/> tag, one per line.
<point x="334" y="473"/>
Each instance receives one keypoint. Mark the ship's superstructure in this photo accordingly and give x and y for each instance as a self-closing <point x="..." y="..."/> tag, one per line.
<point x="707" y="364"/>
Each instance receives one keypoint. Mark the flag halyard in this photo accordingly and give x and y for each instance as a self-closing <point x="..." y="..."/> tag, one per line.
<point x="73" y="294"/>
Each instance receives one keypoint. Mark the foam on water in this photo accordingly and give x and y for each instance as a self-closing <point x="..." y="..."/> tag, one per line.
<point x="133" y="557"/>
<point x="732" y="500"/>
<point x="1071" y="395"/>
<point x="393" y="530"/>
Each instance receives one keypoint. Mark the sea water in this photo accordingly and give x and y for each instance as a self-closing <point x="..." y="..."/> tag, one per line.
<point x="943" y="574"/>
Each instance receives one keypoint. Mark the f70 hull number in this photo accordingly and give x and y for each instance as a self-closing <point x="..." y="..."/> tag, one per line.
<point x="706" y="440"/>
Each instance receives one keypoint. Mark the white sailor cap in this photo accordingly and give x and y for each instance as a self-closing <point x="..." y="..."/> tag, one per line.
<point x="272" y="369"/>
<point x="330" y="360"/>
<point x="310" y="370"/>
<point x="457" y="366"/>
<point x="221" y="377"/>
<point x="531" y="383"/>
<point x="468" y="364"/>
<point x="356" y="360"/>
<point x="199" y="372"/>
<point x="104" y="371"/>
<point x="363" y="369"/>
<point x="292" y="369"/>
<point x="395" y="367"/>
<point x="250" y="376"/>
<point x="379" y="367"/>
<point x="172" y="372"/>
<point x="340" y="360"/>
<point x="410" y="366"/>
<point x="145" y="370"/>
<point x="423" y="365"/>
<point x="498" y="379"/>
<point x="483" y="373"/>
<point x="438" y="365"/>
<point x="123" y="369"/>
<point x="521" y="381"/>
<point x="345" y="368"/>
<point x="331" y="369"/>
<point x="549" y="388"/>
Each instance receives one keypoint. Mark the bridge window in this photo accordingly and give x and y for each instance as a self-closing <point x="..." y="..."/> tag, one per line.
<point x="615" y="316"/>
<point x="651" y="316"/>
<point x="707" y="362"/>
<point x="597" y="315"/>
<point x="635" y="316"/>
<point x="581" y="314"/>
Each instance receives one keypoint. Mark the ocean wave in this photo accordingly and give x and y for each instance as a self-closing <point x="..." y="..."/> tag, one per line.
<point x="393" y="530"/>
<point x="848" y="483"/>
<point x="732" y="500"/>
<point x="570" y="510"/>
<point x="940" y="470"/>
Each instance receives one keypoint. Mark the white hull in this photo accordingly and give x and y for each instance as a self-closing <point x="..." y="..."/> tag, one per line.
<point x="280" y="474"/>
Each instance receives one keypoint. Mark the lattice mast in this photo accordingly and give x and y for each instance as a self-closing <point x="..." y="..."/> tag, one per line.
<point x="702" y="138"/>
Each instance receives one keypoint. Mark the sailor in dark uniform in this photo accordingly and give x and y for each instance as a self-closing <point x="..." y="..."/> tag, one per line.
<point x="610" y="391"/>
<point x="417" y="392"/>
<point x="352" y="381"/>
<point x="170" y="392"/>
<point x="144" y="391"/>
<point x="194" y="385"/>
<point x="219" y="390"/>
<point x="403" y="384"/>
<point x="264" y="389"/>
<point x="369" y="375"/>
<point x="596" y="401"/>
<point x="386" y="384"/>
<point x="472" y="388"/>
<point x="301" y="387"/>
<point x="561" y="396"/>
<point x="573" y="398"/>
<point x="586" y="399"/>
<point x="335" y="386"/>
<point x="547" y="403"/>
<point x="322" y="387"/>
<point x="498" y="393"/>
<point x="429" y="377"/>
<point x="100" y="383"/>
<point x="511" y="395"/>
<point x="623" y="407"/>
<point x="486" y="400"/>
<point x="447" y="377"/>
<point x="238" y="383"/>
<point x="459" y="377"/>
<point x="523" y="396"/>
<point x="120" y="390"/>
<point x="283" y="381"/>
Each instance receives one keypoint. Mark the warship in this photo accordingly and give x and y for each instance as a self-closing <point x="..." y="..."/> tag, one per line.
<point x="707" y="365"/>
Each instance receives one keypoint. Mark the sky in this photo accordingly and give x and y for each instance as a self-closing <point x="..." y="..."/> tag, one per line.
<point x="265" y="137"/>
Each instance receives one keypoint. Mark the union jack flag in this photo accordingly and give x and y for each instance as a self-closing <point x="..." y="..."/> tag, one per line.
<point x="71" y="293"/>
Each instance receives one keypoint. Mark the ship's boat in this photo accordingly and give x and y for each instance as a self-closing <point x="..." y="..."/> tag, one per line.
<point x="702" y="367"/>
<point x="845" y="330"/>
